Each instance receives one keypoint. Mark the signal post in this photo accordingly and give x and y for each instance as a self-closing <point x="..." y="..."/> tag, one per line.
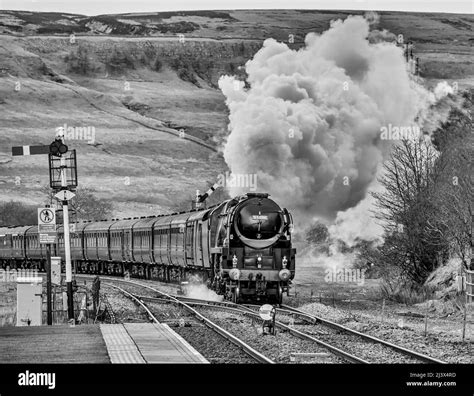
<point x="63" y="179"/>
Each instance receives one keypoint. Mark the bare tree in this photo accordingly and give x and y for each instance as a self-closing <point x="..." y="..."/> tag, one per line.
<point x="84" y="206"/>
<point x="453" y="187"/>
<point x="405" y="209"/>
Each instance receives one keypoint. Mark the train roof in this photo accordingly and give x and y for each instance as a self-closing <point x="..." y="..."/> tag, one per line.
<point x="145" y="222"/>
<point x="103" y="225"/>
<point x="179" y="218"/>
<point x="198" y="215"/>
<point x="124" y="223"/>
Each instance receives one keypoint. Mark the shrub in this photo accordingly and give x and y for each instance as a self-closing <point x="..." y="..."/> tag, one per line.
<point x="78" y="61"/>
<point x="157" y="65"/>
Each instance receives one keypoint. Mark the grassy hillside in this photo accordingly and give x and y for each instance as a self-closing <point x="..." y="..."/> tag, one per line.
<point x="131" y="79"/>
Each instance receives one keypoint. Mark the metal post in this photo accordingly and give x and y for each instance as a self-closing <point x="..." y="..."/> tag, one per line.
<point x="48" y="285"/>
<point x="67" y="246"/>
<point x="67" y="253"/>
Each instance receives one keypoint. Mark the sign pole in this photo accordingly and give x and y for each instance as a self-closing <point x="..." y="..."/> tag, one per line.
<point x="48" y="285"/>
<point x="47" y="236"/>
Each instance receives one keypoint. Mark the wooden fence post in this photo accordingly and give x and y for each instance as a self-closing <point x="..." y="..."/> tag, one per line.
<point x="383" y="309"/>
<point x="469" y="286"/>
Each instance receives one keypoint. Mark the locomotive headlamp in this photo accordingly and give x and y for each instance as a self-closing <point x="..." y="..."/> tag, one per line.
<point x="234" y="261"/>
<point x="284" y="262"/>
<point x="284" y="274"/>
<point x="259" y="262"/>
<point x="234" y="274"/>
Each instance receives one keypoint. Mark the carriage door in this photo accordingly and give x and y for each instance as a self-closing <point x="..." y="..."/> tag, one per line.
<point x="205" y="245"/>
<point x="126" y="244"/>
<point x="198" y="244"/>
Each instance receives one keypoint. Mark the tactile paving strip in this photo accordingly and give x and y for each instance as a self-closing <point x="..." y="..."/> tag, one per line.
<point x="120" y="346"/>
<point x="159" y="344"/>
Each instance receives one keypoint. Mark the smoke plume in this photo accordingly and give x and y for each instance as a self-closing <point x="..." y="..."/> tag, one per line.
<point x="197" y="289"/>
<point x="309" y="125"/>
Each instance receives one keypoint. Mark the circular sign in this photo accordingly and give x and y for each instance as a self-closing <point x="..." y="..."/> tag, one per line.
<point x="46" y="216"/>
<point x="267" y="311"/>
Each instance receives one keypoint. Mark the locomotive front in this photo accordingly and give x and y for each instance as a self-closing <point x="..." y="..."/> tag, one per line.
<point x="260" y="259"/>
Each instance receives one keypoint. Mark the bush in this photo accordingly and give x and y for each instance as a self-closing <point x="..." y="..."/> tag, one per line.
<point x="118" y="61"/>
<point x="17" y="213"/>
<point x="78" y="61"/>
<point x="157" y="65"/>
<point x="407" y="293"/>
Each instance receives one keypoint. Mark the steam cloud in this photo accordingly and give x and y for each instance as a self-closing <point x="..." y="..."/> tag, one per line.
<point x="309" y="126"/>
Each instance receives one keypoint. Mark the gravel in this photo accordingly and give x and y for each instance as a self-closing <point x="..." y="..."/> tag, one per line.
<point x="278" y="347"/>
<point x="442" y="341"/>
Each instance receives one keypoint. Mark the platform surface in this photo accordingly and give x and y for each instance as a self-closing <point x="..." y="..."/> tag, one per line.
<point x="52" y="344"/>
<point x="147" y="343"/>
<point x="105" y="343"/>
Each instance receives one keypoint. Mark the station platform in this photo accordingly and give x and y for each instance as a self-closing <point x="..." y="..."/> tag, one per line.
<point x="147" y="343"/>
<point x="105" y="343"/>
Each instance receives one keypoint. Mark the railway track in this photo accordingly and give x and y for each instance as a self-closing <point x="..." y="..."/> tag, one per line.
<point x="316" y="320"/>
<point x="405" y="353"/>
<point x="352" y="346"/>
<point x="242" y="310"/>
<point x="187" y="303"/>
<point x="257" y="356"/>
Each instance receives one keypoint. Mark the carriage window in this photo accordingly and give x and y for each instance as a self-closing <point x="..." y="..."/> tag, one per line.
<point x="199" y="237"/>
<point x="189" y="241"/>
<point x="180" y="239"/>
<point x="146" y="239"/>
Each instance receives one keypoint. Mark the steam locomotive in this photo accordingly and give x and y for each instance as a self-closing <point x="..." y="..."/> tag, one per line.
<point x="240" y="247"/>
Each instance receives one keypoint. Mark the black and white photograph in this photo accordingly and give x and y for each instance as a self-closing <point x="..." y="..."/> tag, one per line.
<point x="228" y="194"/>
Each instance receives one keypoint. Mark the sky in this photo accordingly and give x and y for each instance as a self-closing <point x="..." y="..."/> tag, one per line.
<point x="97" y="7"/>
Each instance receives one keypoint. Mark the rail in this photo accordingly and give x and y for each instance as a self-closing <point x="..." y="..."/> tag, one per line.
<point x="224" y="333"/>
<point x="317" y="319"/>
<point x="244" y="310"/>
